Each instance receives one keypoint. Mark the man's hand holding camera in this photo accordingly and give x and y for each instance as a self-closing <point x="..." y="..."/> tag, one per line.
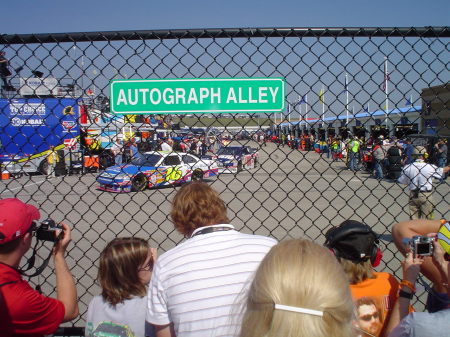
<point x="64" y="237"/>
<point x="65" y="284"/>
<point x="411" y="266"/>
<point x="60" y="234"/>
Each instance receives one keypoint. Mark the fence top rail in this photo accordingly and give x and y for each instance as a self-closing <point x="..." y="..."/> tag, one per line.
<point x="439" y="32"/>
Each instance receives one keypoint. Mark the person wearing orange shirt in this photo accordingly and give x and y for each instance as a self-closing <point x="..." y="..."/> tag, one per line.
<point x="374" y="293"/>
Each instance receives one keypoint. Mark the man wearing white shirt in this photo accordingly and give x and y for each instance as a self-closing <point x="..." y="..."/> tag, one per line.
<point x="419" y="178"/>
<point x="196" y="287"/>
<point x="117" y="150"/>
<point x="165" y="146"/>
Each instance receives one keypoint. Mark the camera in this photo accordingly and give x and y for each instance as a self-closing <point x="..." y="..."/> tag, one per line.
<point x="49" y="231"/>
<point x="421" y="245"/>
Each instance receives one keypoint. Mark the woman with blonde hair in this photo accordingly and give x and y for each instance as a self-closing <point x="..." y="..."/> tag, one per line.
<point x="298" y="290"/>
<point x="125" y="269"/>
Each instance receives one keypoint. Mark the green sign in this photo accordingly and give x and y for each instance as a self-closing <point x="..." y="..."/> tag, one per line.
<point x="190" y="96"/>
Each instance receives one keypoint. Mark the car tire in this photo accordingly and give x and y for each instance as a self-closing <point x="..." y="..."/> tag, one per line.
<point x="43" y="167"/>
<point x="138" y="183"/>
<point x="197" y="175"/>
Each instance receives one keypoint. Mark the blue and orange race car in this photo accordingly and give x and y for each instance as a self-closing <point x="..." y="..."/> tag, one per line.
<point x="156" y="168"/>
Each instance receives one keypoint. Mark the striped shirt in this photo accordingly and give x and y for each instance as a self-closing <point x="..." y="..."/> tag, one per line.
<point x="201" y="284"/>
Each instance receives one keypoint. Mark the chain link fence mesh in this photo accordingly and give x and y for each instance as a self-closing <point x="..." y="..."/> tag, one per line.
<point x="339" y="83"/>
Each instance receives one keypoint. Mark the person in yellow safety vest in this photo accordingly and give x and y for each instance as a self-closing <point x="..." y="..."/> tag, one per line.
<point x="52" y="159"/>
<point x="283" y="139"/>
<point x="353" y="150"/>
<point x="335" y="149"/>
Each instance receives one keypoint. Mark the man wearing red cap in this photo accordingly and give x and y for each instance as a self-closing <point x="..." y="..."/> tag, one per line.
<point x="23" y="310"/>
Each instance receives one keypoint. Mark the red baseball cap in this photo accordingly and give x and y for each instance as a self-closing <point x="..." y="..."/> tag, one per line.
<point x="15" y="219"/>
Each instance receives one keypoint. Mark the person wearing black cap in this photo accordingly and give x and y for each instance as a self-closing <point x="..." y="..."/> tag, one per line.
<point x="23" y="310"/>
<point x="356" y="247"/>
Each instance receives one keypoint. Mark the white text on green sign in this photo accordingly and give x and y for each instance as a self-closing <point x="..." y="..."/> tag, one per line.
<point x="197" y="95"/>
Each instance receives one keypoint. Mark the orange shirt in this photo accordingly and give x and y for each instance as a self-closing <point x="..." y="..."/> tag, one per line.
<point x="374" y="299"/>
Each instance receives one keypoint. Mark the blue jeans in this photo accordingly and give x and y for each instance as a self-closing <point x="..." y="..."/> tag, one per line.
<point x="441" y="162"/>
<point x="378" y="169"/>
<point x="353" y="162"/>
<point x="118" y="159"/>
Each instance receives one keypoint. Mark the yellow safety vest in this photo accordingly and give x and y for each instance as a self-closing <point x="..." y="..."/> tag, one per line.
<point x="355" y="146"/>
<point x="52" y="157"/>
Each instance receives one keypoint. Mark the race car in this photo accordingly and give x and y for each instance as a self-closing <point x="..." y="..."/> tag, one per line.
<point x="233" y="159"/>
<point x="156" y="168"/>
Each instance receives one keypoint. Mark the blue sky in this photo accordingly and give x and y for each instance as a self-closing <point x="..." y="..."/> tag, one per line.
<point x="51" y="16"/>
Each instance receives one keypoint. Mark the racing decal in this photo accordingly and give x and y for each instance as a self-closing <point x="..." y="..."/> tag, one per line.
<point x="155" y="177"/>
<point x="68" y="125"/>
<point x="174" y="173"/>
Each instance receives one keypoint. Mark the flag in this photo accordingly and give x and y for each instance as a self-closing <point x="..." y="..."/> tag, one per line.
<point x="321" y="95"/>
<point x="366" y="109"/>
<point x="408" y="102"/>
<point x="301" y="100"/>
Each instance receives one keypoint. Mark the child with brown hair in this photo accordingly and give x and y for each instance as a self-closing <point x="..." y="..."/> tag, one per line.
<point x="125" y="269"/>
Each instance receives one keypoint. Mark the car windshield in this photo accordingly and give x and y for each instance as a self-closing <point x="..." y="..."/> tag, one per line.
<point x="228" y="151"/>
<point x="146" y="160"/>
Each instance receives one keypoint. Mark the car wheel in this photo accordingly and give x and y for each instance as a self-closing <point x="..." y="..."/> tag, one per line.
<point x="139" y="183"/>
<point x="239" y="166"/>
<point x="43" y="167"/>
<point x="197" y="175"/>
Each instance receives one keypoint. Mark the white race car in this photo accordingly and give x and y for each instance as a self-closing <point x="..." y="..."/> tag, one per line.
<point x="156" y="168"/>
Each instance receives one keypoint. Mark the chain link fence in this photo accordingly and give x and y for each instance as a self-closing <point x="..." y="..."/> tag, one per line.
<point x="293" y="181"/>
